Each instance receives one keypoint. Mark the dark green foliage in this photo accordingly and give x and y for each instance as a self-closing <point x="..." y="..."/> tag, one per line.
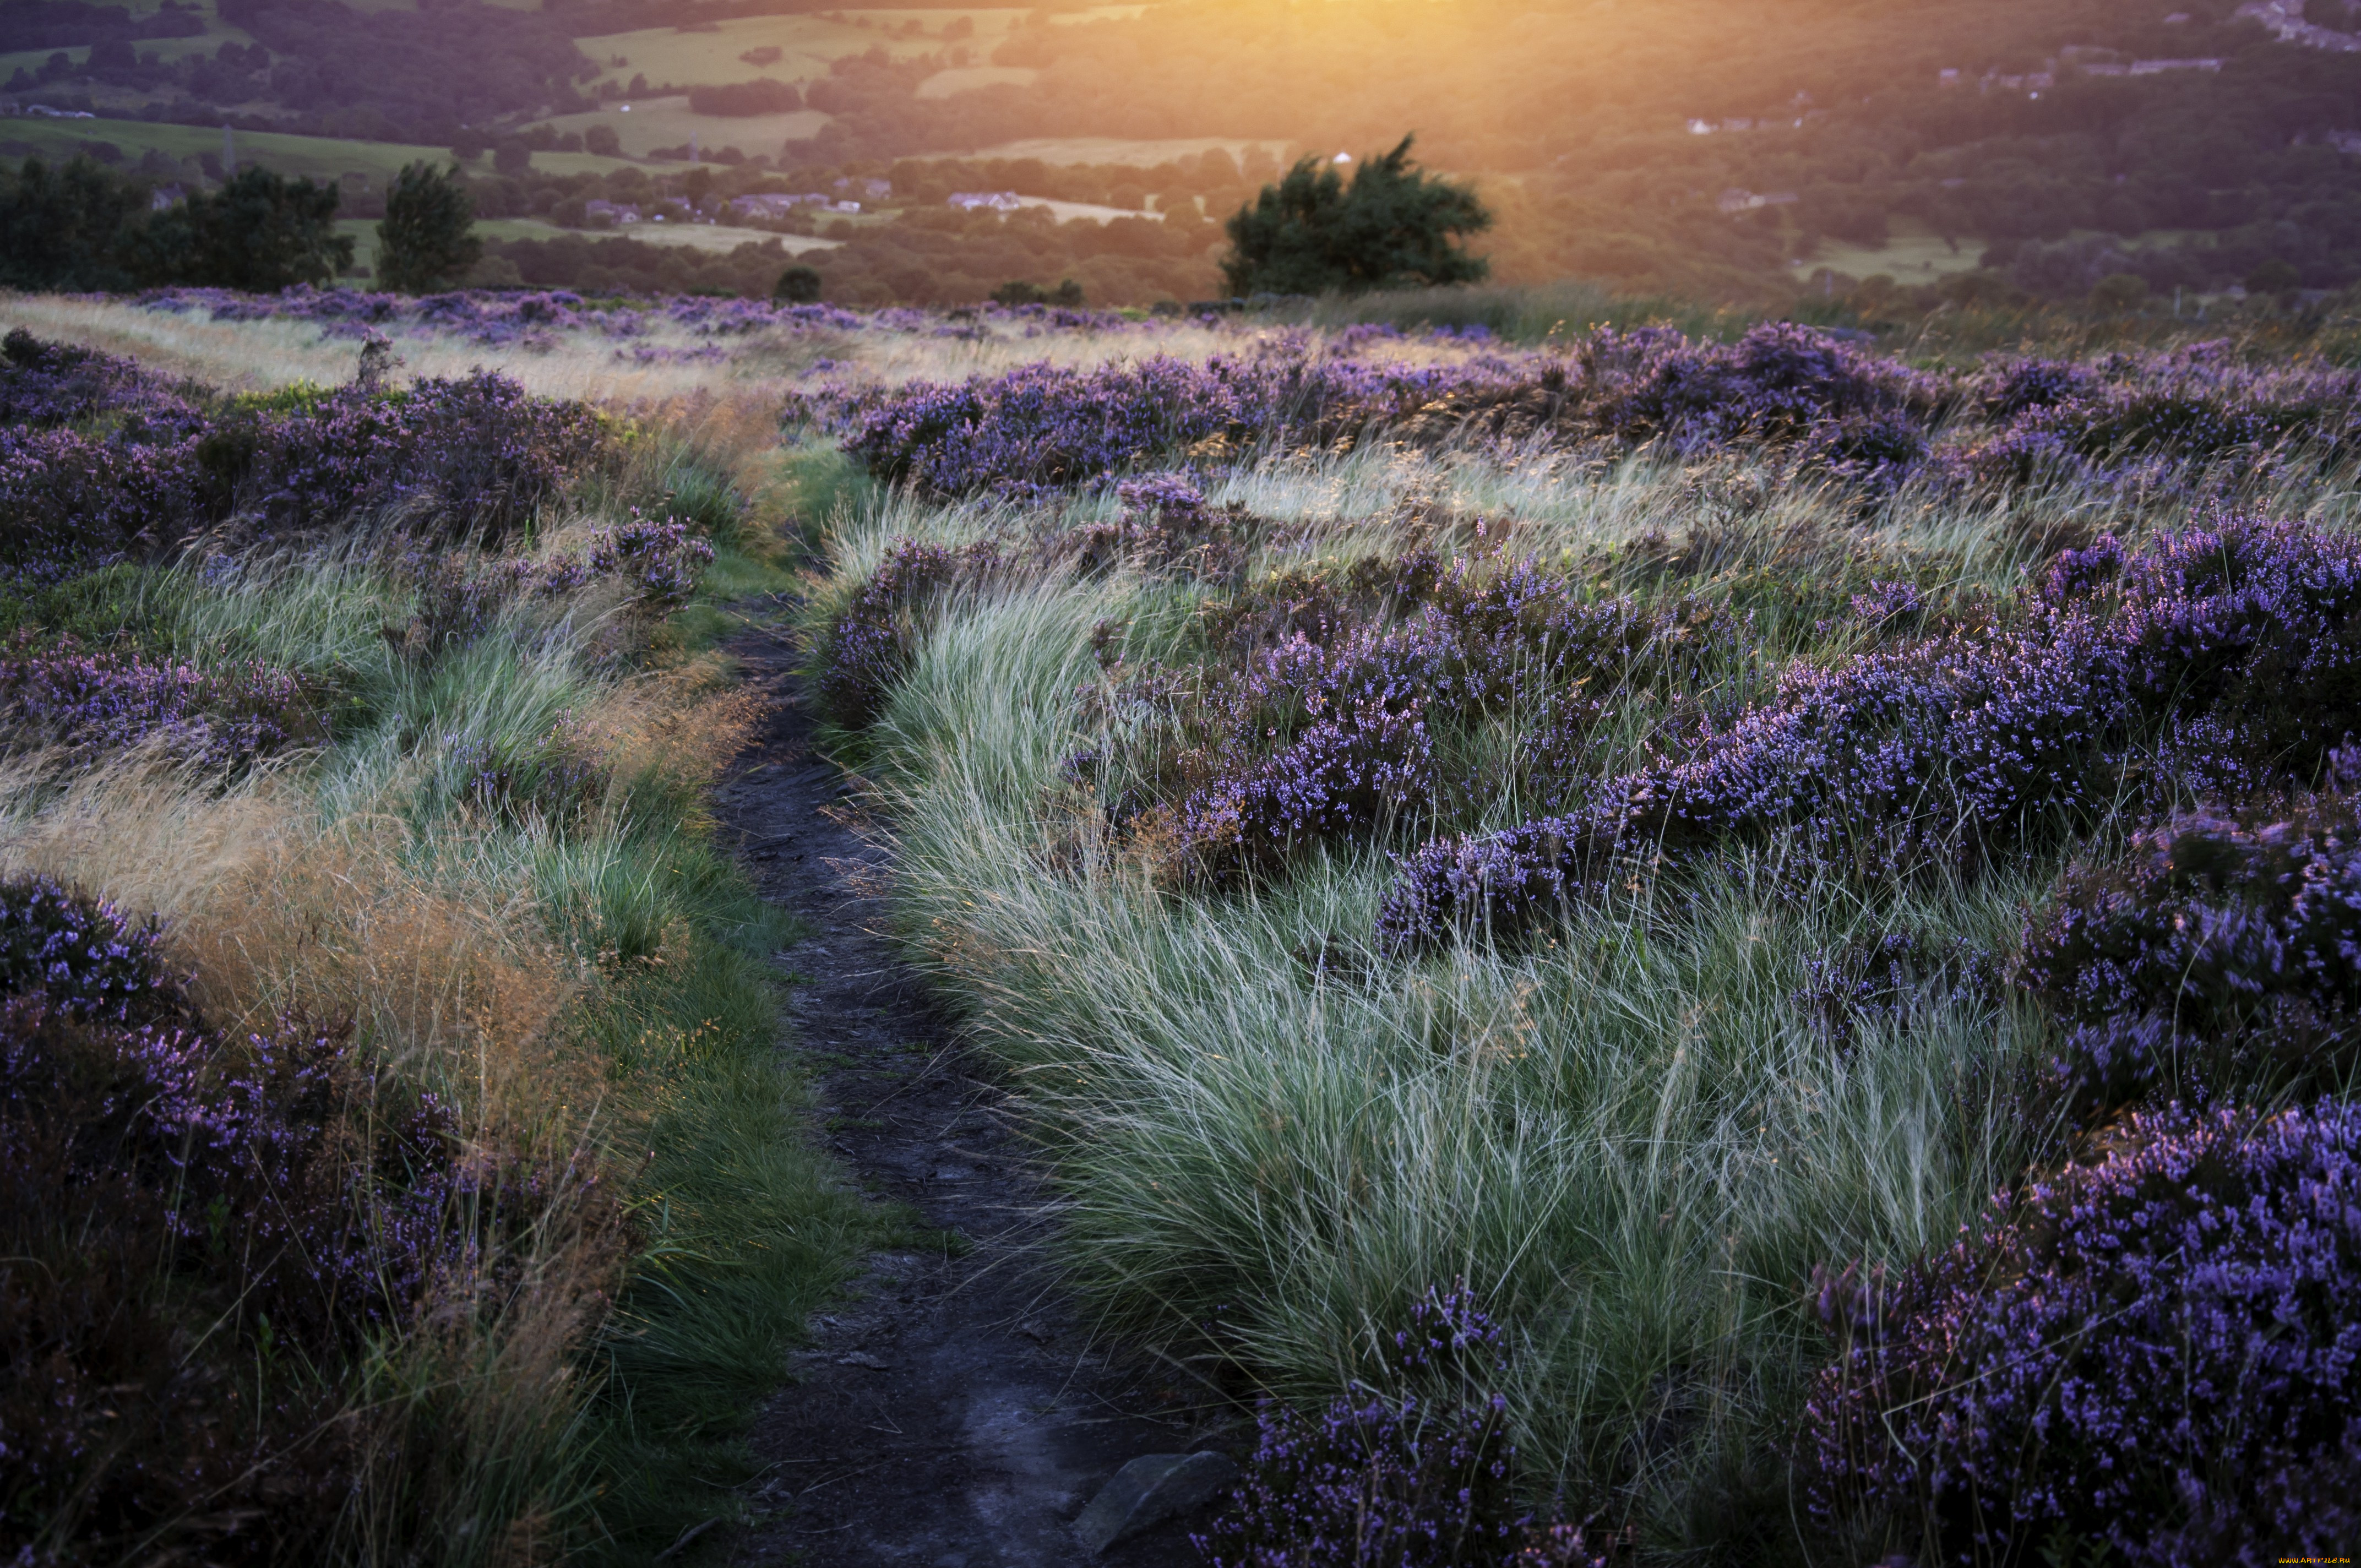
<point x="1394" y="225"/>
<point x="69" y="227"/>
<point x="427" y="240"/>
<point x="798" y="285"/>
<point x="1067" y="294"/>
<point x="261" y="232"/>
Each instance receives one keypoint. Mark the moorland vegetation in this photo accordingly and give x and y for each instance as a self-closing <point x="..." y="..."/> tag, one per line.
<point x="396" y="1167"/>
<point x="1706" y="942"/>
<point x="1734" y="951"/>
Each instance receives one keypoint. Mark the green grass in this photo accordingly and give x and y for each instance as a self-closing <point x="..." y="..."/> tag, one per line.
<point x="316" y="157"/>
<point x="741" y="1225"/>
<point x="1631" y="1141"/>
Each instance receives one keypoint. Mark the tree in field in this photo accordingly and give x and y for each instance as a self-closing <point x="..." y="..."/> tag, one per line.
<point x="1394" y="226"/>
<point x="427" y="240"/>
<point x="798" y="285"/>
<point x="260" y="232"/>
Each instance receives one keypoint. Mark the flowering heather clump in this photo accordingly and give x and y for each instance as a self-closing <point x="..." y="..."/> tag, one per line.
<point x="1942" y="751"/>
<point x="89" y="959"/>
<point x="2259" y="623"/>
<point x="2158" y="1355"/>
<point x="466" y="459"/>
<point x="71" y="502"/>
<point x="97" y="702"/>
<point x="2237" y="646"/>
<point x="2222" y="950"/>
<point x="1370" y="1485"/>
<point x="1780" y="382"/>
<point x="661" y="560"/>
<point x="54" y="383"/>
<point x="1310" y="742"/>
<point x="155" y="1175"/>
<point x="1041" y="425"/>
<point x="473" y="456"/>
<point x="869" y="644"/>
<point x="1889" y="979"/>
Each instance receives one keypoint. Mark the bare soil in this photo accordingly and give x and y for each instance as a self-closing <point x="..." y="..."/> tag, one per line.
<point x="955" y="1411"/>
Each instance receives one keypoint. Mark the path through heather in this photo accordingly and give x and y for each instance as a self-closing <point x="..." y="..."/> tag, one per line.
<point x="955" y="1411"/>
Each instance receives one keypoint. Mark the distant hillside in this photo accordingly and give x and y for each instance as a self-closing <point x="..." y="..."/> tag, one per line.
<point x="1714" y="149"/>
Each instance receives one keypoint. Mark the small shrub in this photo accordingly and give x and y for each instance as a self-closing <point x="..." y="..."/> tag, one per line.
<point x="2219" y="952"/>
<point x="199" y="1238"/>
<point x="660" y="560"/>
<point x="93" y="703"/>
<point x="86" y="956"/>
<point x="869" y="644"/>
<point x="2155" y="1356"/>
<point x="1423" y="1484"/>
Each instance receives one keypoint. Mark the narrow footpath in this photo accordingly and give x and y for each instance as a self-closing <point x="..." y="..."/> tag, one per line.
<point x="955" y="1410"/>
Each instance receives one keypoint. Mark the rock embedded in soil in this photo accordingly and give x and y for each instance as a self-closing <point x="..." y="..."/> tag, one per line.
<point x="1149" y="1490"/>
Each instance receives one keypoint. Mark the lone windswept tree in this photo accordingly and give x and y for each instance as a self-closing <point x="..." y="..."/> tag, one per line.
<point x="427" y="240"/>
<point x="1394" y="226"/>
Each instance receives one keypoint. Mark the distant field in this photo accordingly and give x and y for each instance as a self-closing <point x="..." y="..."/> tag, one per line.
<point x="1913" y="254"/>
<point x="1067" y="211"/>
<point x="652" y="123"/>
<point x="716" y="237"/>
<point x="318" y="157"/>
<point x="807" y="45"/>
<point x="1114" y="149"/>
<point x="967" y="79"/>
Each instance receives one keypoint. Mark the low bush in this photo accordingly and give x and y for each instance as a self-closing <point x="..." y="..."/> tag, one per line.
<point x="2221" y="954"/>
<point x="2153" y="1356"/>
<point x="139" y="469"/>
<point x="1426" y="1481"/>
<point x="203" y="1232"/>
<point x="2224" y="658"/>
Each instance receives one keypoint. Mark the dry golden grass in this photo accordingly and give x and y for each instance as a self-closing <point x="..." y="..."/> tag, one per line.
<point x="740" y="394"/>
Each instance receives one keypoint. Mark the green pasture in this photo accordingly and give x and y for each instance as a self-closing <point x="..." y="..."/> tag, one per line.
<point x="652" y="122"/>
<point x="316" y="157"/>
<point x="807" y="45"/>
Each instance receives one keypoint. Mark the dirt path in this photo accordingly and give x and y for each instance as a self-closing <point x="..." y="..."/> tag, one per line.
<point x="955" y="1413"/>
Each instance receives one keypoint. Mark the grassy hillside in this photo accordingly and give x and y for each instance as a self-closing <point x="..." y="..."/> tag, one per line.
<point x="1596" y="864"/>
<point x="459" y="1003"/>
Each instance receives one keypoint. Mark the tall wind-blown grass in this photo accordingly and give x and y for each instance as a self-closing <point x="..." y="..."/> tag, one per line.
<point x="489" y="878"/>
<point x="1634" y="1139"/>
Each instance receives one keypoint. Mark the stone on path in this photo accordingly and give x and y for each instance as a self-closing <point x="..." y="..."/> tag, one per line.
<point x="1149" y="1490"/>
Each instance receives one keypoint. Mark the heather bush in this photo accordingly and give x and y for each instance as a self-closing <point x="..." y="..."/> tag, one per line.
<point x="2251" y="630"/>
<point x="51" y="384"/>
<point x="1936" y="753"/>
<point x="1422" y="1483"/>
<point x="1780" y="382"/>
<point x="868" y="643"/>
<point x="85" y="956"/>
<point x="154" y="1173"/>
<point x="471" y="458"/>
<point x="2154" y="1356"/>
<point x="1040" y="426"/>
<point x="1888" y="980"/>
<point x="71" y="502"/>
<point x="94" y="703"/>
<point x="2225" y="651"/>
<point x="659" y="560"/>
<point x="1335" y="741"/>
<point x="2222" y="954"/>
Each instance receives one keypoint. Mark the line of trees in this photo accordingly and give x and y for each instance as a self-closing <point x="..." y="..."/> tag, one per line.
<point x="85" y="227"/>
